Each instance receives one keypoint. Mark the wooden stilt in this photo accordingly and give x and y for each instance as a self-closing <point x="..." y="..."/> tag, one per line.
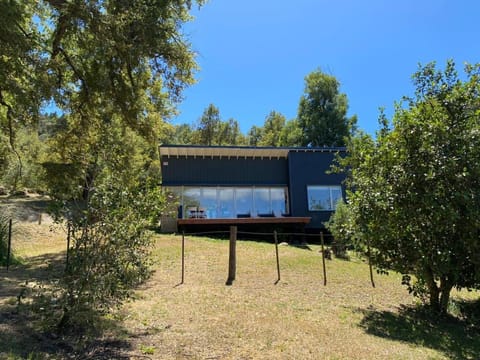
<point x="232" y="259"/>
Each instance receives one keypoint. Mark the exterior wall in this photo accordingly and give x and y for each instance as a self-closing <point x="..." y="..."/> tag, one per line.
<point x="309" y="168"/>
<point x="223" y="171"/>
<point x="301" y="169"/>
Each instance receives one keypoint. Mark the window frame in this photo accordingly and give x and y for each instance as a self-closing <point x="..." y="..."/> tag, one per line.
<point x="331" y="200"/>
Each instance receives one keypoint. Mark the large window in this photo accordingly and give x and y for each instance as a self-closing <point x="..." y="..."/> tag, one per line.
<point x="231" y="202"/>
<point x="323" y="198"/>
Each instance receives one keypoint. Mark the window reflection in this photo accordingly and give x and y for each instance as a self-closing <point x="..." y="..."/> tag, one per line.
<point x="279" y="201"/>
<point x="226" y="206"/>
<point x="209" y="202"/>
<point x="262" y="201"/>
<point x="323" y="197"/>
<point x="244" y="201"/>
<point x="232" y="202"/>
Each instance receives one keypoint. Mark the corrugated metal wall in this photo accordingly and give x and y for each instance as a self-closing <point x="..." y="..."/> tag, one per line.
<point x="224" y="171"/>
<point x="309" y="168"/>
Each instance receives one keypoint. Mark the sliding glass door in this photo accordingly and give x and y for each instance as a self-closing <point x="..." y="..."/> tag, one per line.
<point x="231" y="202"/>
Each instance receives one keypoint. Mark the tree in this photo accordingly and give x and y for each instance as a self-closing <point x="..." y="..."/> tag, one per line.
<point x="209" y="126"/>
<point x="21" y="78"/>
<point x="115" y="70"/>
<point x="230" y="133"/>
<point x="322" y="112"/>
<point x="254" y="135"/>
<point x="415" y="190"/>
<point x="272" y="129"/>
<point x="291" y="134"/>
<point x="184" y="135"/>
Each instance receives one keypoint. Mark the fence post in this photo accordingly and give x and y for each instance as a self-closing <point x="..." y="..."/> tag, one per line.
<point x="183" y="257"/>
<point x="68" y="244"/>
<point x="9" y="246"/>
<point x="276" y="253"/>
<point x="40" y="219"/>
<point x="232" y="258"/>
<point x="323" y="260"/>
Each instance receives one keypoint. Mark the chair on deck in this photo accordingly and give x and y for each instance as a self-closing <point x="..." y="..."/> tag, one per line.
<point x="192" y="212"/>
<point x="201" y="213"/>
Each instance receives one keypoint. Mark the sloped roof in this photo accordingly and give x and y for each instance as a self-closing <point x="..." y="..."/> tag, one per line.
<point x="237" y="151"/>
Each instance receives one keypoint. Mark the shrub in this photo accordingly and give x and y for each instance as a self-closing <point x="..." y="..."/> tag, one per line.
<point x="340" y="226"/>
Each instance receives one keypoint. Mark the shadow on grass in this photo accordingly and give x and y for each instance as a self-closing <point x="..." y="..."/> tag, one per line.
<point x="26" y="329"/>
<point x="456" y="337"/>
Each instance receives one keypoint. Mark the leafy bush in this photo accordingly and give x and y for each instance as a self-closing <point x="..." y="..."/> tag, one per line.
<point x="109" y="253"/>
<point x="340" y="225"/>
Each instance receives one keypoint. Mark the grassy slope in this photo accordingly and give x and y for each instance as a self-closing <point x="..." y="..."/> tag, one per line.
<point x="298" y="318"/>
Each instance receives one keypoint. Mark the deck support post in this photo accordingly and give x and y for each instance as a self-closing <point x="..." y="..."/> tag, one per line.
<point x="232" y="258"/>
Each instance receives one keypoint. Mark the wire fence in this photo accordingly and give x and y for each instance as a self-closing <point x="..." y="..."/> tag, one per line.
<point x="6" y="247"/>
<point x="233" y="233"/>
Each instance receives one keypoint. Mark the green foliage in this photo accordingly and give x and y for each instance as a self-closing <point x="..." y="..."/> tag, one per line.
<point x="212" y="130"/>
<point x="276" y="131"/>
<point x="254" y="135"/>
<point x="341" y="225"/>
<point x="291" y="134"/>
<point x="322" y="112"/>
<point x="115" y="70"/>
<point x="31" y="150"/>
<point x="272" y="129"/>
<point x="209" y="126"/>
<point x="110" y="246"/>
<point x="416" y="187"/>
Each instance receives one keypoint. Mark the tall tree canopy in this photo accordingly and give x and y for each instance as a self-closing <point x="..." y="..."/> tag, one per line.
<point x="272" y="129"/>
<point x="322" y="112"/>
<point x="114" y="69"/>
<point x="209" y="126"/>
<point x="416" y="188"/>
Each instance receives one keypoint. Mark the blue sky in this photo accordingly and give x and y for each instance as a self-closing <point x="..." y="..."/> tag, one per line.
<point x="254" y="55"/>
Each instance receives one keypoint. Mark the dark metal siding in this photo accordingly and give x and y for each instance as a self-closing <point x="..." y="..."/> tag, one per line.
<point x="310" y="169"/>
<point x="223" y="171"/>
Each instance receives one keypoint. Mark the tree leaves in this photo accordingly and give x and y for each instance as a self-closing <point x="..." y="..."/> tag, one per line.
<point x="416" y="189"/>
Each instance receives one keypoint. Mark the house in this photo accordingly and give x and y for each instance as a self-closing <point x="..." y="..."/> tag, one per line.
<point x="239" y="185"/>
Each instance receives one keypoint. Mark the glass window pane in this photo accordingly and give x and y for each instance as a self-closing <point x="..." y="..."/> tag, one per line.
<point x="318" y="198"/>
<point x="336" y="193"/>
<point x="226" y="206"/>
<point x="191" y="201"/>
<point x="323" y="197"/>
<point x="244" y="201"/>
<point x="262" y="201"/>
<point x="209" y="203"/>
<point x="279" y="201"/>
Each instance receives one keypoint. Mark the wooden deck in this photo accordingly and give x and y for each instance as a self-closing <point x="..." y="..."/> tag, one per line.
<point x="246" y="221"/>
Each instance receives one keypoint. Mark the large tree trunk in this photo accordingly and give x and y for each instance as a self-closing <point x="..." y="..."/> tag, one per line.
<point x="445" y="288"/>
<point x="433" y="290"/>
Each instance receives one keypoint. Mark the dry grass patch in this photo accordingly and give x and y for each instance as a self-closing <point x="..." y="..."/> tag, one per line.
<point x="298" y="318"/>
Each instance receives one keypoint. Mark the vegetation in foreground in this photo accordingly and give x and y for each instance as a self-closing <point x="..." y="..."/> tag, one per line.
<point x="253" y="319"/>
<point x="413" y="191"/>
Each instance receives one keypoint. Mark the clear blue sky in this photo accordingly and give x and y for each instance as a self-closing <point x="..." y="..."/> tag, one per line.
<point x="254" y="55"/>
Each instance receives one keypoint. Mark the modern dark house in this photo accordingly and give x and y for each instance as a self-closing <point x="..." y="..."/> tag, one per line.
<point x="263" y="185"/>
